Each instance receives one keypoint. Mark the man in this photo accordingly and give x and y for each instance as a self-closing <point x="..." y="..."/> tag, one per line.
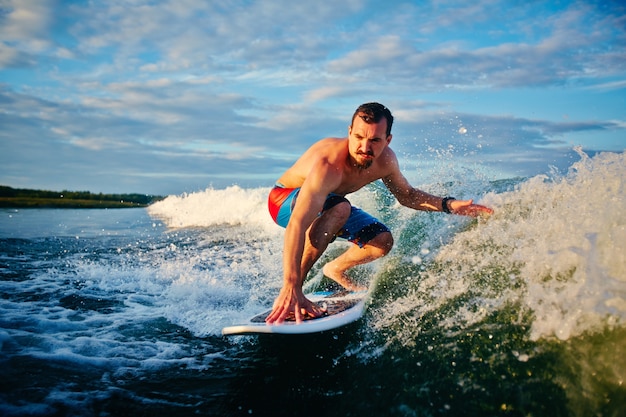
<point x="309" y="201"/>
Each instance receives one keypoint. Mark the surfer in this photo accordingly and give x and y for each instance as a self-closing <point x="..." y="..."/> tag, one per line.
<point x="309" y="201"/>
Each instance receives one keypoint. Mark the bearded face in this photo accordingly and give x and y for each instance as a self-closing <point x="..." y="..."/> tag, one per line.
<point x="367" y="141"/>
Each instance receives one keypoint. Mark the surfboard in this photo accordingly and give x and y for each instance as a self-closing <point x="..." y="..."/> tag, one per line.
<point x="341" y="308"/>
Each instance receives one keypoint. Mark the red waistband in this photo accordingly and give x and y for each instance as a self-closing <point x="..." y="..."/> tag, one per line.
<point x="277" y="197"/>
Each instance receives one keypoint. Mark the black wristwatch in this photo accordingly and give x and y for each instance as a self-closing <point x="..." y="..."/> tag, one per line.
<point x="444" y="204"/>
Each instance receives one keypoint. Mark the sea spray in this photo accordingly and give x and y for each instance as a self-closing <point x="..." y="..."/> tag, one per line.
<point x="232" y="206"/>
<point x="519" y="314"/>
<point x="555" y="248"/>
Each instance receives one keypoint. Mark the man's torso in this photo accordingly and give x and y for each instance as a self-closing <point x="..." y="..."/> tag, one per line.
<point x="335" y="152"/>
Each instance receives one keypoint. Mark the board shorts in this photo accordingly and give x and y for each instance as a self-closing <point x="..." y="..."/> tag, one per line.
<point x="360" y="228"/>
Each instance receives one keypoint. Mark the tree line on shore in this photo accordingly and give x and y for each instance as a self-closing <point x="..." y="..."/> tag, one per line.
<point x="19" y="197"/>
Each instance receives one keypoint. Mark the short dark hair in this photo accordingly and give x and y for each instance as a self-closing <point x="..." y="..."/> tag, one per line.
<point x="373" y="113"/>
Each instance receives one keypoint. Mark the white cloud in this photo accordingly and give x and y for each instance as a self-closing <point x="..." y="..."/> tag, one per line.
<point x="25" y="20"/>
<point x="187" y="87"/>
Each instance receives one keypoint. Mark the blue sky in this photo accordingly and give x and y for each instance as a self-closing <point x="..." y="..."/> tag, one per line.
<point x="165" y="97"/>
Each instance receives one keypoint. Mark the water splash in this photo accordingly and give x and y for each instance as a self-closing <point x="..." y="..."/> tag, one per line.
<point x="555" y="248"/>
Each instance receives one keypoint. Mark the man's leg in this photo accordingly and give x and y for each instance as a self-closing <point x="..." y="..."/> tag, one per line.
<point x="321" y="233"/>
<point x="377" y="247"/>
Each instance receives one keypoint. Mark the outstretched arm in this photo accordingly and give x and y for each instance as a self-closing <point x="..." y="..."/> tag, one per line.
<point x="416" y="199"/>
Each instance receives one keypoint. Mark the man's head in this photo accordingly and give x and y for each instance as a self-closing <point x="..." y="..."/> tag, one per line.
<point x="369" y="134"/>
<point x="373" y="113"/>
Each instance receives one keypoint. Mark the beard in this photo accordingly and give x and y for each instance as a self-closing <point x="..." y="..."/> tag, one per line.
<point x="365" y="163"/>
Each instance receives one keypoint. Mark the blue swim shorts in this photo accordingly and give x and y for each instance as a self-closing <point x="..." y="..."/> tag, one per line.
<point x="360" y="228"/>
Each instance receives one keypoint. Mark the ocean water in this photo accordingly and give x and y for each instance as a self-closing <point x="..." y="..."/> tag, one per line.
<point x="119" y="312"/>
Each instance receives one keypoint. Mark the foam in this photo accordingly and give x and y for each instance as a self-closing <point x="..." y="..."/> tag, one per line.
<point x="212" y="207"/>
<point x="556" y="245"/>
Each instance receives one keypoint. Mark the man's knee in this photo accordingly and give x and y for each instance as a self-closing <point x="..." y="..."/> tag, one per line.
<point x="383" y="242"/>
<point x="325" y="228"/>
<point x="387" y="237"/>
<point x="340" y="212"/>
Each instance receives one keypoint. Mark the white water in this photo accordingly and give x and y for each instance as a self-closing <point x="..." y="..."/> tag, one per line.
<point x="556" y="245"/>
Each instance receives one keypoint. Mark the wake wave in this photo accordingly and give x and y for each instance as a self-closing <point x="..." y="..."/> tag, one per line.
<point x="231" y="206"/>
<point x="555" y="248"/>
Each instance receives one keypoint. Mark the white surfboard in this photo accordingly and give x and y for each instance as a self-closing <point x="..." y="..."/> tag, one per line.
<point x="341" y="308"/>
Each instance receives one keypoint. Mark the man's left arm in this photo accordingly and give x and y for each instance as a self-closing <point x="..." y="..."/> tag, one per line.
<point x="411" y="197"/>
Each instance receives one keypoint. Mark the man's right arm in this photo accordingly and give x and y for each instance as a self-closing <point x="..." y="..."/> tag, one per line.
<point x="319" y="183"/>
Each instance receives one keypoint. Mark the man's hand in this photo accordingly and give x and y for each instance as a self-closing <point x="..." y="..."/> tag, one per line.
<point x="467" y="208"/>
<point x="291" y="300"/>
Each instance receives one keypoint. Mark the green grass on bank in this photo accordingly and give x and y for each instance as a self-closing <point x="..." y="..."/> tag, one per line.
<point x="25" y="198"/>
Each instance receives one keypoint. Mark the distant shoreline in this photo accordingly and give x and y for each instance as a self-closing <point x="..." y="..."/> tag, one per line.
<point x="26" y="198"/>
<point x="63" y="203"/>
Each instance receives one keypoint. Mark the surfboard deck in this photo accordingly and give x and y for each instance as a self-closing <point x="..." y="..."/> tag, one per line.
<point x="342" y="308"/>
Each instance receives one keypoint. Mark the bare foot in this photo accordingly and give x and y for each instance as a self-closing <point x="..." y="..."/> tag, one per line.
<point x="341" y="278"/>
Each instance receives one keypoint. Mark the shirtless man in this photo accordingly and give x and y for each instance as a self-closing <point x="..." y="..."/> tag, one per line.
<point x="309" y="201"/>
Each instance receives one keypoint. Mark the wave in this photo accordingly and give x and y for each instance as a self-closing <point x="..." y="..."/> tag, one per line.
<point x="214" y="207"/>
<point x="553" y="255"/>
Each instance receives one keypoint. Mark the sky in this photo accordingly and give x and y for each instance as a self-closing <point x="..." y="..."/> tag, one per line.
<point x="175" y="96"/>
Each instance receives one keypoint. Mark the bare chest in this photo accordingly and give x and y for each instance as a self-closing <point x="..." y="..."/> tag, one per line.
<point x="352" y="182"/>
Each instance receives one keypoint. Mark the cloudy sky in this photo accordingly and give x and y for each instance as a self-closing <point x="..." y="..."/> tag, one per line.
<point x="165" y="97"/>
